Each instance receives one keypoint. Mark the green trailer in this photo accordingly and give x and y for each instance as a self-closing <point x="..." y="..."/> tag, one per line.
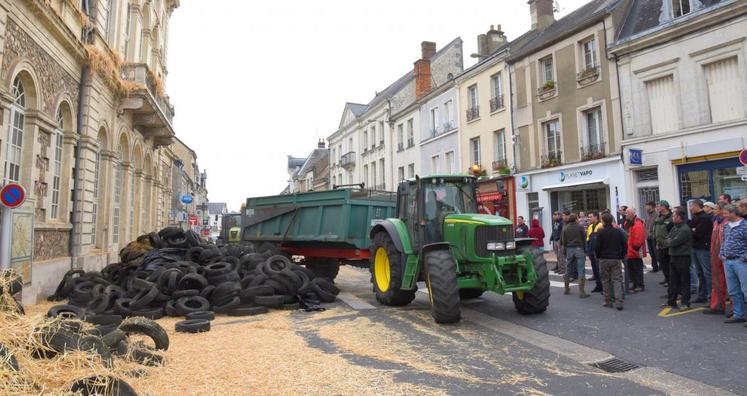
<point x="327" y="228"/>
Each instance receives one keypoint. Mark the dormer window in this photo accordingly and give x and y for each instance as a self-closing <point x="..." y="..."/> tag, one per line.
<point x="680" y="8"/>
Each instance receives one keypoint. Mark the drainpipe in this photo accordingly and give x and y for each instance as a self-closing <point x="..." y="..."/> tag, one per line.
<point x="511" y="117"/>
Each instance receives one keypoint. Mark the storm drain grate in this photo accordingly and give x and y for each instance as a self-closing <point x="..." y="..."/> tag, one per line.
<point x="615" y="365"/>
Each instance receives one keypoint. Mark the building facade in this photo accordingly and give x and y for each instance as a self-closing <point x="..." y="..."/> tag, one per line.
<point x="86" y="126"/>
<point x="363" y="148"/>
<point x="310" y="173"/>
<point x="683" y="78"/>
<point x="439" y="142"/>
<point x="566" y="112"/>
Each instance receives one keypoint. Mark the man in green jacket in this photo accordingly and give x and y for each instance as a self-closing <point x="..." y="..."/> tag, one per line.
<point x="679" y="242"/>
<point x="662" y="225"/>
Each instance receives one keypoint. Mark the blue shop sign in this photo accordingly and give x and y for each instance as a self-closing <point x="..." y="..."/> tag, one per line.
<point x="187" y="199"/>
<point x="636" y="157"/>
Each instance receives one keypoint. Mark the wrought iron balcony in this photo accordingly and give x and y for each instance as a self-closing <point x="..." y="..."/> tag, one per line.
<point x="496" y="103"/>
<point x="552" y="159"/>
<point x="592" y="152"/>
<point x="410" y="142"/>
<point x="152" y="113"/>
<point x="400" y="147"/>
<point x="473" y="113"/>
<point x="348" y="160"/>
<point x="448" y="126"/>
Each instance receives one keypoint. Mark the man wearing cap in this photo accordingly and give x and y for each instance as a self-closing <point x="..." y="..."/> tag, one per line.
<point x="710" y="208"/>
<point x="662" y="226"/>
<point x="734" y="254"/>
<point x="701" y="225"/>
<point x="718" y="279"/>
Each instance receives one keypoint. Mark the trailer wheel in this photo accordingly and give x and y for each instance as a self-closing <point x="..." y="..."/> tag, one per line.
<point x="387" y="270"/>
<point x="324" y="268"/>
<point x="443" y="289"/>
<point x="536" y="300"/>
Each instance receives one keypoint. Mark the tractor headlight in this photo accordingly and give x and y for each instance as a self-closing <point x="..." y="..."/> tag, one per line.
<point x="510" y="245"/>
<point x="496" y="246"/>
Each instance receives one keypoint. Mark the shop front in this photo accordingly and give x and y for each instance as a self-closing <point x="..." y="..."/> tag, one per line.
<point x="707" y="180"/>
<point x="497" y="196"/>
<point x="588" y="187"/>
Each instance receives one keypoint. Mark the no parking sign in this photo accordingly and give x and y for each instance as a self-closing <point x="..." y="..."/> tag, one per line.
<point x="12" y="195"/>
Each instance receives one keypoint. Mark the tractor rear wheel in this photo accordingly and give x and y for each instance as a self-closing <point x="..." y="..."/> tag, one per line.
<point x="466" y="294"/>
<point x="387" y="269"/>
<point x="443" y="289"/>
<point x="536" y="300"/>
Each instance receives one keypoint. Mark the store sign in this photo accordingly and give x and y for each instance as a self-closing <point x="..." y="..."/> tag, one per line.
<point x="524" y="183"/>
<point x="574" y="175"/>
<point x="743" y="157"/>
<point x="636" y="157"/>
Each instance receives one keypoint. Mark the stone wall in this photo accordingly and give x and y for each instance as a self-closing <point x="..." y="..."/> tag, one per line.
<point x="49" y="244"/>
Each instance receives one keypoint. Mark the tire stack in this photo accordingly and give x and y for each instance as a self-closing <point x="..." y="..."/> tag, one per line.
<point x="173" y="273"/>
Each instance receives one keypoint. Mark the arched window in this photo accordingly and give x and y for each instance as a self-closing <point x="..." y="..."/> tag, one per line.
<point x="57" y="165"/>
<point x="12" y="172"/>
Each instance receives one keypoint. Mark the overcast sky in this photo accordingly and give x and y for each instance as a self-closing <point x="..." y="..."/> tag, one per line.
<point x="256" y="81"/>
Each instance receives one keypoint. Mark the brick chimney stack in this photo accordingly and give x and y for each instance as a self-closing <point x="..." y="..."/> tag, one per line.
<point x="542" y="13"/>
<point x="423" y="77"/>
<point x="321" y="144"/>
<point x="488" y="43"/>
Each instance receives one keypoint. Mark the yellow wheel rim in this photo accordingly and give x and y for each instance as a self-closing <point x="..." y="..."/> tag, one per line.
<point x="428" y="284"/>
<point x="520" y="294"/>
<point x="382" y="270"/>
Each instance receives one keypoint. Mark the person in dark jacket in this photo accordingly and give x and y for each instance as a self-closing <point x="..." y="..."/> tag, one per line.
<point x="679" y="245"/>
<point x="573" y="241"/>
<point x="610" y="249"/>
<point x="650" y="223"/>
<point x="538" y="234"/>
<point x="522" y="231"/>
<point x="701" y="225"/>
<point x="662" y="225"/>
<point x="557" y="228"/>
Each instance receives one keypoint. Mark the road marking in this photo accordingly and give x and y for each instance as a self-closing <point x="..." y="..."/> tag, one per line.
<point x="665" y="313"/>
<point x="354" y="302"/>
<point x="557" y="284"/>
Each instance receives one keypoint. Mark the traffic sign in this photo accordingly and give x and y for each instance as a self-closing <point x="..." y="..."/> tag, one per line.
<point x="743" y="157"/>
<point x="193" y="220"/>
<point x="187" y="199"/>
<point x="12" y="195"/>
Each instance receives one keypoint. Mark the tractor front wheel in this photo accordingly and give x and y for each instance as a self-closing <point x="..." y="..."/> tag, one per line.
<point x="387" y="270"/>
<point x="469" y="293"/>
<point x="536" y="300"/>
<point x="443" y="289"/>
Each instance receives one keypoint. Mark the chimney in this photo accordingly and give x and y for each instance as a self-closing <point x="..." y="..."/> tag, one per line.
<point x="423" y="77"/>
<point x="495" y="38"/>
<point x="542" y="12"/>
<point x="321" y="144"/>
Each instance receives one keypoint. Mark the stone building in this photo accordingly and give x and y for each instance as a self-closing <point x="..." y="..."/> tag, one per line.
<point x="310" y="173"/>
<point x="363" y="148"/>
<point x="566" y="112"/>
<point x="186" y="180"/>
<point x="683" y="82"/>
<point x="86" y="128"/>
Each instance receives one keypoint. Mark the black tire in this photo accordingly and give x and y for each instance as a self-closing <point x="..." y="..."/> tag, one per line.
<point x="268" y="247"/>
<point x="192" y="326"/>
<point x="269" y="301"/>
<point x="148" y="328"/>
<point x="96" y="345"/>
<point x="389" y="294"/>
<point x="141" y="353"/>
<point x="467" y="294"/>
<point x="225" y="292"/>
<point x="231" y="276"/>
<point x="193" y="281"/>
<point x="102" y="330"/>
<point x="206" y="315"/>
<point x="328" y="268"/>
<point x="184" y="293"/>
<point x="538" y="299"/>
<point x="247" y="296"/>
<point x="207" y="292"/>
<point x="148" y="313"/>
<point x="231" y="304"/>
<point x="54" y="340"/>
<point x="113" y="338"/>
<point x="443" y="289"/>
<point x="101" y="319"/>
<point x="170" y="309"/>
<point x="247" y="311"/>
<point x="7" y="358"/>
<point x="99" y="304"/>
<point x="102" y="385"/>
<point x="66" y="311"/>
<point x="187" y="305"/>
<point x="143" y="298"/>
<point x="291" y="306"/>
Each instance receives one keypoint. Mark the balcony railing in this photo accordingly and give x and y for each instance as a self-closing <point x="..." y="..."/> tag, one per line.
<point x="448" y="126"/>
<point x="348" y="160"/>
<point x="592" y="152"/>
<point x="433" y="132"/>
<point x="473" y="113"/>
<point x="150" y="107"/>
<point x="410" y="142"/>
<point x="496" y="103"/>
<point x="552" y="159"/>
<point x="400" y="146"/>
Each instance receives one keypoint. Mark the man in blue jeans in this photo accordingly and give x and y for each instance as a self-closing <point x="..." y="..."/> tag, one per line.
<point x="734" y="254"/>
<point x="573" y="240"/>
<point x="701" y="225"/>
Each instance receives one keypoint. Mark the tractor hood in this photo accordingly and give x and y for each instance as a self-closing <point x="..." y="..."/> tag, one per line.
<point x="477" y="219"/>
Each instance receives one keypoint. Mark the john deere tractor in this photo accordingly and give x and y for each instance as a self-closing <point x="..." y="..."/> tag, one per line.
<point x="438" y="237"/>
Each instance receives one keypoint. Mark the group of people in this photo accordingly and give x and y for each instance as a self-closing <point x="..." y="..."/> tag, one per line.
<point x="702" y="255"/>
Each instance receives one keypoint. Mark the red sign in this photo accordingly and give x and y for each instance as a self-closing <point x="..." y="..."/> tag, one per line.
<point x="193" y="220"/>
<point x="743" y="157"/>
<point x="12" y="195"/>
<point x="206" y="232"/>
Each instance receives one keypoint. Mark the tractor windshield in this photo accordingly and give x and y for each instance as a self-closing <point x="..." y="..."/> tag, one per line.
<point x="448" y="198"/>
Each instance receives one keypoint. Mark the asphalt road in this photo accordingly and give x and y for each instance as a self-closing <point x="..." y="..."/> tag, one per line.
<point x="495" y="350"/>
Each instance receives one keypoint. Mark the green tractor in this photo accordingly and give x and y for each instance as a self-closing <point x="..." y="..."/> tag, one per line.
<point x="438" y="237"/>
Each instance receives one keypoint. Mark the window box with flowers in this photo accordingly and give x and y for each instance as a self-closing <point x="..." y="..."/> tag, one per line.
<point x="547" y="90"/>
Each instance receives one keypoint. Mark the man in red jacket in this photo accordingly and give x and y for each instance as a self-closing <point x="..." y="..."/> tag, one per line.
<point x="636" y="248"/>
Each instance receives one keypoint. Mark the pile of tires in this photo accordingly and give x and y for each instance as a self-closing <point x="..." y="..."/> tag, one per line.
<point x="173" y="273"/>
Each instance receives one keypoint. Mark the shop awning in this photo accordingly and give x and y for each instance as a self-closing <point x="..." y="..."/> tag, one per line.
<point x="489" y="197"/>
<point x="590" y="183"/>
